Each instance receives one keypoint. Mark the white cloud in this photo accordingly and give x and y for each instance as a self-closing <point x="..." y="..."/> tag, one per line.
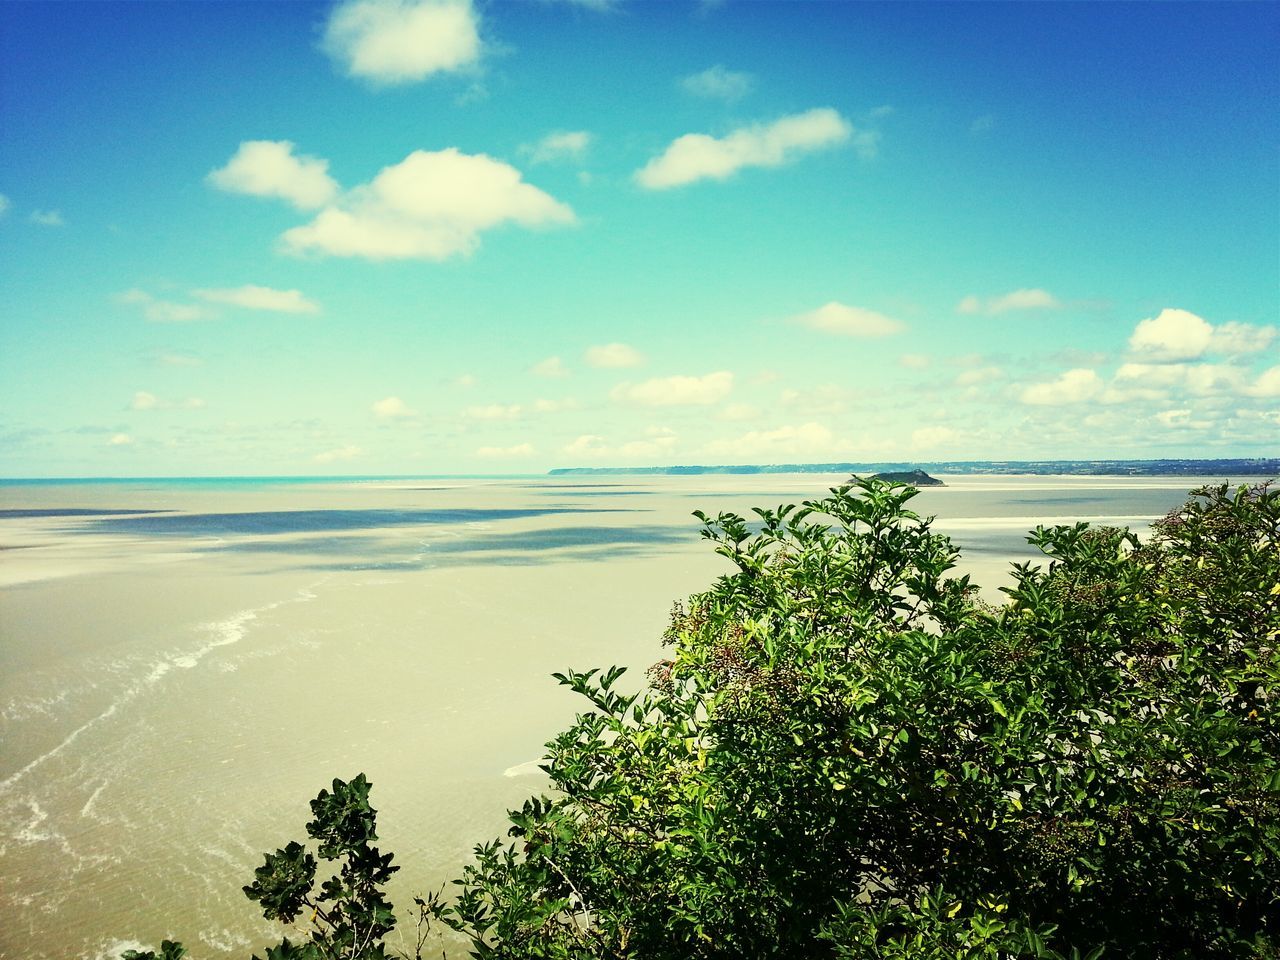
<point x="47" y="218"/>
<point x="614" y="355"/>
<point x="1173" y="335"/>
<point x="1074" y="386"/>
<point x="552" y="367"/>
<point x="391" y="408"/>
<point x="1025" y="299"/>
<point x="717" y="83"/>
<point x="268" y="168"/>
<point x="402" y="41"/>
<point x="849" y="321"/>
<point x="1151" y="381"/>
<point x="519" y="450"/>
<point x="1233" y="339"/>
<point x="1267" y="385"/>
<point x="340" y="453"/>
<point x="494" y="411"/>
<point x="677" y="391"/>
<point x="430" y="206"/>
<point x="589" y="444"/>
<point x="253" y="297"/>
<point x="164" y="311"/>
<point x="808" y="439"/>
<point x="697" y="156"/>
<point x="120" y="440"/>
<point x="658" y="442"/>
<point x="1173" y="418"/>
<point x="560" y="145"/>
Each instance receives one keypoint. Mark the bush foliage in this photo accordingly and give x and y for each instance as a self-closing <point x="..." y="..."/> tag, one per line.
<point x="849" y="755"/>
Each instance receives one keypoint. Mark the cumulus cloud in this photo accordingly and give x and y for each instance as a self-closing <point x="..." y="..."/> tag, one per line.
<point x="519" y="450"/>
<point x="1267" y="384"/>
<point x="657" y="442"/>
<point x="339" y="453"/>
<point x="268" y="168"/>
<point x="47" y="218"/>
<point x="1172" y="335"/>
<point x="1174" y="418"/>
<point x="391" y="408"/>
<point x="808" y="439"/>
<point x="1074" y="386"/>
<point x="164" y="311"/>
<point x="252" y="297"/>
<point x="613" y="355"/>
<point x="697" y="156"/>
<point x="120" y="440"/>
<point x="717" y="83"/>
<point x="391" y="42"/>
<point x="1025" y="299"/>
<point x="560" y="145"/>
<point x="431" y="206"/>
<point x="677" y="391"/>
<point x="849" y="321"/>
<point x="552" y="367"/>
<point x="1234" y="339"/>
<point x="1152" y="381"/>
<point x="588" y="444"/>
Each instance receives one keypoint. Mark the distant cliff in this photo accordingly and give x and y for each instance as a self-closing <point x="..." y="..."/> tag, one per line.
<point x="1256" y="467"/>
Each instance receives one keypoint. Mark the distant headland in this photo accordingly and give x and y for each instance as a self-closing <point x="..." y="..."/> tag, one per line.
<point x="1252" y="467"/>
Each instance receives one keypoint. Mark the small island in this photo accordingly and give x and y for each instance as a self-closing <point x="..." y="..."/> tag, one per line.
<point x="917" y="478"/>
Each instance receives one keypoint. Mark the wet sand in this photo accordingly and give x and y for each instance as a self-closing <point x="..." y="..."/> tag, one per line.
<point x="178" y="683"/>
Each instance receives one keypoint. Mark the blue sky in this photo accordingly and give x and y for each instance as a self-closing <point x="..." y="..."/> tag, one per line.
<point x="389" y="236"/>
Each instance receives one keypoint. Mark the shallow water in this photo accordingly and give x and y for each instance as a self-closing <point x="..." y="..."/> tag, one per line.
<point x="183" y="665"/>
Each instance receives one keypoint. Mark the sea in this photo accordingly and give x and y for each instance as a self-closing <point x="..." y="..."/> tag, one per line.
<point x="185" y="663"/>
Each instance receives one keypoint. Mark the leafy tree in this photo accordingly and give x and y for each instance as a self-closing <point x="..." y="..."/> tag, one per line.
<point x="349" y="914"/>
<point x="849" y="755"/>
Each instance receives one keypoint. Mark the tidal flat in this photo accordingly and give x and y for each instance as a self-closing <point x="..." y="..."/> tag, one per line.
<point x="184" y="664"/>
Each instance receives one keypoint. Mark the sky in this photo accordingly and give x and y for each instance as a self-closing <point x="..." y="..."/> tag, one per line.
<point x="449" y="237"/>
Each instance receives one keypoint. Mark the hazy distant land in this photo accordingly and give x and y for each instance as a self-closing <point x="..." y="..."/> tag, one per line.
<point x="1255" y="467"/>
